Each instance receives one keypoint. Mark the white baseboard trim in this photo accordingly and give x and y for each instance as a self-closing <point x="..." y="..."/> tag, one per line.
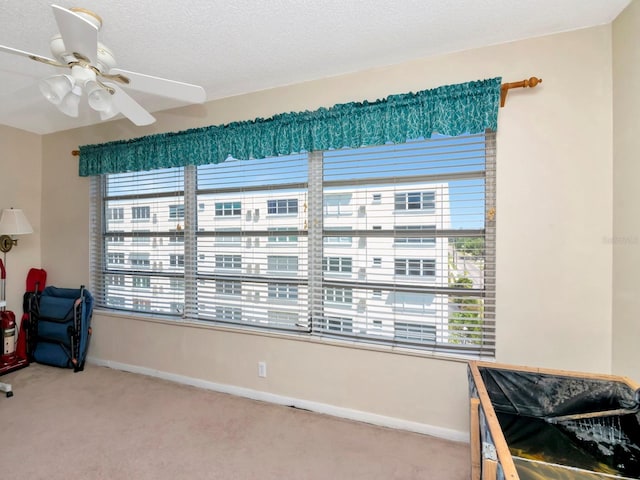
<point x="341" y="412"/>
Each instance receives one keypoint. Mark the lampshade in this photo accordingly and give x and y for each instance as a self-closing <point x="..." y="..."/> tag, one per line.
<point x="109" y="113"/>
<point x="56" y="88"/>
<point x="99" y="98"/>
<point x="65" y="91"/>
<point x="70" y="102"/>
<point x="14" y="222"/>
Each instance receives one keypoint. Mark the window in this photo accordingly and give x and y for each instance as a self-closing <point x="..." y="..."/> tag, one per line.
<point x="337" y="264"/>
<point x="338" y="204"/>
<point x="339" y="324"/>
<point x="115" y="213"/>
<point x="176" y="212"/>
<point x="116" y="237"/>
<point x="135" y="196"/>
<point x="229" y="287"/>
<point x="338" y="295"/>
<point x="282" y="206"/>
<point x="176" y="236"/>
<point x="139" y="260"/>
<point x="415" y="305"/>
<point x="140" y="213"/>
<point x="115" y="258"/>
<point x="282" y="263"/>
<point x="282" y="238"/>
<point x="387" y="245"/>
<point x="114" y="280"/>
<point x="415" y="201"/>
<point x="141" y="282"/>
<point x="415" y="267"/>
<point x="228" y="209"/>
<point x="233" y="262"/>
<point x="283" y="291"/>
<point x="334" y="235"/>
<point x="140" y="236"/>
<point x="415" y="332"/>
<point x="176" y="260"/>
<point x="415" y="240"/>
<point x="228" y="314"/>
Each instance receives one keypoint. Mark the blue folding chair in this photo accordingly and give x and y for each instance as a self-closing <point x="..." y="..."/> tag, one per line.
<point x="62" y="327"/>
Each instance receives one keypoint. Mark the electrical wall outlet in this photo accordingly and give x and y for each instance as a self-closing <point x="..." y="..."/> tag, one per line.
<point x="262" y="369"/>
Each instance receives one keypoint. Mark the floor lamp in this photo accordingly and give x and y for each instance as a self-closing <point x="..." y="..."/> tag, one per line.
<point x="12" y="222"/>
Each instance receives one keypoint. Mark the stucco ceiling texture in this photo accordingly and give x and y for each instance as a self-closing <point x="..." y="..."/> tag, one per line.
<point x="239" y="46"/>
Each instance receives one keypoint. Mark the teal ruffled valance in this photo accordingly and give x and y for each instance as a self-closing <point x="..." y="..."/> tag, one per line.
<point x="449" y="110"/>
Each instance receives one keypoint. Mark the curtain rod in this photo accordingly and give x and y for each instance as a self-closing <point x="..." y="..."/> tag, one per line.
<point x="504" y="89"/>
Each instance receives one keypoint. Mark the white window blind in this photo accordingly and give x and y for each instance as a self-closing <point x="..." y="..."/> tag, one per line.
<point x="251" y="231"/>
<point x="420" y="266"/>
<point x="136" y="257"/>
<point x="390" y="245"/>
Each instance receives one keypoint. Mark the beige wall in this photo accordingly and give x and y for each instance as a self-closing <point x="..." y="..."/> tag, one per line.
<point x="554" y="210"/>
<point x="626" y="198"/>
<point x="20" y="187"/>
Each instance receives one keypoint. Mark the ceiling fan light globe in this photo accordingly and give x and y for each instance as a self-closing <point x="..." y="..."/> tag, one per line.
<point x="70" y="103"/>
<point x="110" y="113"/>
<point x="99" y="99"/>
<point x="56" y="88"/>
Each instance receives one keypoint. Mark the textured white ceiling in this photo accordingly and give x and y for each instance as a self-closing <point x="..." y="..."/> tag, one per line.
<point x="238" y="46"/>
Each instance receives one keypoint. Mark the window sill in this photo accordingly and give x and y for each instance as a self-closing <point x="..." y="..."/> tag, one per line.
<point x="302" y="336"/>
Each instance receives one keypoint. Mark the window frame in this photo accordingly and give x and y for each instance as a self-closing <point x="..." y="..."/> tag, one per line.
<point x="334" y="260"/>
<point x="282" y="206"/>
<point x="221" y="209"/>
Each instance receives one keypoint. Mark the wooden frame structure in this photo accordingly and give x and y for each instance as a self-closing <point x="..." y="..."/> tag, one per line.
<point x="491" y="458"/>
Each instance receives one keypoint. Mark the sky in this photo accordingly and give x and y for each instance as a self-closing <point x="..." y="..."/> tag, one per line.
<point x="387" y="165"/>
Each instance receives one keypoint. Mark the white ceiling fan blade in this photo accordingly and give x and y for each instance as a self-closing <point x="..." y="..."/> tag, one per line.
<point x="32" y="56"/>
<point x="79" y="35"/>
<point x="185" y="92"/>
<point x="129" y="107"/>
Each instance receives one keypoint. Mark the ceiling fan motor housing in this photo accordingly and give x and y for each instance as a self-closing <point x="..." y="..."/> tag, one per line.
<point x="105" y="62"/>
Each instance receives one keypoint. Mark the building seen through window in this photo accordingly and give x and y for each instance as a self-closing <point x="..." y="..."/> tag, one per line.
<point x="381" y="244"/>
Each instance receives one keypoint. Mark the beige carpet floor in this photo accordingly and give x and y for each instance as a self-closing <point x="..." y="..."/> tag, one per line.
<point x="107" y="424"/>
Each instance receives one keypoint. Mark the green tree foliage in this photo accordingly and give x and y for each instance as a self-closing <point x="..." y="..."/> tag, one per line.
<point x="470" y="245"/>
<point x="465" y="322"/>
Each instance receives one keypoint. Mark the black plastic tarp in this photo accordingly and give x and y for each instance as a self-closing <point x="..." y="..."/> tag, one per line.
<point x="556" y="421"/>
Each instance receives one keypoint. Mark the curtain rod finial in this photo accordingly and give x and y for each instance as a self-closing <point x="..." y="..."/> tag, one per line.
<point x="504" y="88"/>
<point x="533" y="81"/>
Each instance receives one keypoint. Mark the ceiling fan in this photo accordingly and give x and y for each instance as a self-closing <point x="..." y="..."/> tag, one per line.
<point x="92" y="70"/>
